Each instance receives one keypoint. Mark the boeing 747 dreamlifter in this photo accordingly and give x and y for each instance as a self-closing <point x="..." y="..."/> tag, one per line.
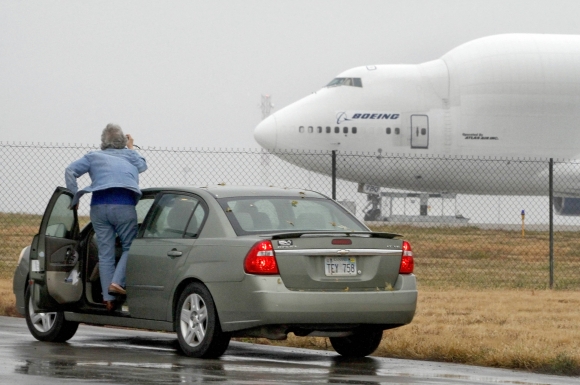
<point x="500" y="97"/>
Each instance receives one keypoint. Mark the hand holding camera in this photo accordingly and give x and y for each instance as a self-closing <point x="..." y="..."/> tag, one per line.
<point x="129" y="141"/>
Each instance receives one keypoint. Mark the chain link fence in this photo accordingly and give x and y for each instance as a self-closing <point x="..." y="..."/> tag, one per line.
<point x="500" y="232"/>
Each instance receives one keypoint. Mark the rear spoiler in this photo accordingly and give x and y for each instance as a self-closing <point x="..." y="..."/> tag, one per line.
<point x="363" y="234"/>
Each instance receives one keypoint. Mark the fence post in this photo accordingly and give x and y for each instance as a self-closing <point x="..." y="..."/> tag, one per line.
<point x="334" y="174"/>
<point x="551" y="203"/>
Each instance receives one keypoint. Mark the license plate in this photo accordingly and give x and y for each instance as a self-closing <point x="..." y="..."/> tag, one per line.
<point x="339" y="266"/>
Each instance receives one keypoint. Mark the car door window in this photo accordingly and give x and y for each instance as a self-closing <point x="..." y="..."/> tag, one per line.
<point x="175" y="216"/>
<point x="143" y="207"/>
<point x="61" y="220"/>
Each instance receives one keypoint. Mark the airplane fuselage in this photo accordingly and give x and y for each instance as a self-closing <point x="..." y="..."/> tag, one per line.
<point x="506" y="97"/>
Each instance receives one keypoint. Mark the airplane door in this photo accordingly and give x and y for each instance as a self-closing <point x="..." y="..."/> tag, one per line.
<point x="54" y="260"/>
<point x="419" y="131"/>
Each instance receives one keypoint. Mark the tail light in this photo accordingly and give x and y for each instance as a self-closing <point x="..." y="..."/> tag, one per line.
<point x="407" y="263"/>
<point x="261" y="259"/>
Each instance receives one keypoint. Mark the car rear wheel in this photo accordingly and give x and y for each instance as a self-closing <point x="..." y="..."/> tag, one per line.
<point x="360" y="344"/>
<point x="50" y="326"/>
<point x="197" y="325"/>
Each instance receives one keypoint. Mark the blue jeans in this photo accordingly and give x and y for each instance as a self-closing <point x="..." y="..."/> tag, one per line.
<point x="108" y="222"/>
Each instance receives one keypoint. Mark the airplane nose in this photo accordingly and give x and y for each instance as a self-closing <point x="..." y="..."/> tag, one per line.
<point x="265" y="133"/>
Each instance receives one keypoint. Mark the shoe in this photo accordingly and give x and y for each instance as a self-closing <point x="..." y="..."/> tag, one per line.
<point x="110" y="305"/>
<point x="116" y="289"/>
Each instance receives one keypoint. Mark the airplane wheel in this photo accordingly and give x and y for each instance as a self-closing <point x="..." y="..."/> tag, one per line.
<point x="373" y="215"/>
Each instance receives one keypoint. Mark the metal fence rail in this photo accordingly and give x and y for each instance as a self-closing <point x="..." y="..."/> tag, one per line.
<point x="479" y="238"/>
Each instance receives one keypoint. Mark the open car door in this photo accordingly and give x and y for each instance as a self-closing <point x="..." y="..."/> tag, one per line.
<point x="54" y="259"/>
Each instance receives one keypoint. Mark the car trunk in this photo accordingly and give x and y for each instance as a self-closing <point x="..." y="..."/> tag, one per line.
<point x="311" y="261"/>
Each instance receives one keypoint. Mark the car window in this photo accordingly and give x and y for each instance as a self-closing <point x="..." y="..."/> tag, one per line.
<point x="275" y="214"/>
<point x="175" y="216"/>
<point x="195" y="223"/>
<point x="61" y="220"/>
<point x="313" y="216"/>
<point x="143" y="207"/>
<point x="266" y="215"/>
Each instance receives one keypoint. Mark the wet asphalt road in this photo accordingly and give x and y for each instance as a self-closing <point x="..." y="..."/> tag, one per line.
<point x="98" y="355"/>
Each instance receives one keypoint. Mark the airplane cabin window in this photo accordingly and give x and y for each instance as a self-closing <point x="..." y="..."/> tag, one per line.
<point x="388" y="130"/>
<point x="354" y="130"/>
<point x="336" y="130"/>
<point x="345" y="130"/>
<point x="328" y="130"/>
<point x="397" y="131"/>
<point x="423" y="131"/>
<point x="301" y="129"/>
<point x="310" y="129"/>
<point x="319" y="129"/>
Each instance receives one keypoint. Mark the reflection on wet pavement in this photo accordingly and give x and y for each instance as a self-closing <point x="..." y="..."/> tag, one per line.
<point x="99" y="355"/>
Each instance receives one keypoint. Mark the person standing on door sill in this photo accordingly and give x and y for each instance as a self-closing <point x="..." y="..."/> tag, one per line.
<point x="114" y="173"/>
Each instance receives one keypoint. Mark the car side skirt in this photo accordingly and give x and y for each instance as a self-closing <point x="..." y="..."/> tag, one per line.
<point x="137" y="323"/>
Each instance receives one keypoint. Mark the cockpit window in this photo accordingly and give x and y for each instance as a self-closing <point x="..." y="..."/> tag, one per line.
<point x="353" y="82"/>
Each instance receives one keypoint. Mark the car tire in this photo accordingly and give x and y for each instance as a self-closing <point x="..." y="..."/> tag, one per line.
<point x="49" y="326"/>
<point x="197" y="324"/>
<point x="360" y="344"/>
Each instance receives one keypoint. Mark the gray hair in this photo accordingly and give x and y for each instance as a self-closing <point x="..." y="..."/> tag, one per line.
<point x="113" y="137"/>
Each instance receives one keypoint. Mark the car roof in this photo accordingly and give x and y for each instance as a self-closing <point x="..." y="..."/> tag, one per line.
<point x="225" y="191"/>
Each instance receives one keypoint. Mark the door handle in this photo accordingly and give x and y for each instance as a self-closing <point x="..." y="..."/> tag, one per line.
<point x="174" y="253"/>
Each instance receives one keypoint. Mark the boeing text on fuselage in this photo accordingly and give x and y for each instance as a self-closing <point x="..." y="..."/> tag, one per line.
<point x="344" y="116"/>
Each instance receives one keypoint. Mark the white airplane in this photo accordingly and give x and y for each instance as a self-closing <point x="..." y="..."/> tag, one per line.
<point x="514" y="97"/>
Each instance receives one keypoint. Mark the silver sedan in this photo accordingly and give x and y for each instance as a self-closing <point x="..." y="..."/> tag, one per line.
<point x="216" y="262"/>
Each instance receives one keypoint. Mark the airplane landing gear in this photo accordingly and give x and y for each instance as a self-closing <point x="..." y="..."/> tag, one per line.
<point x="372" y="209"/>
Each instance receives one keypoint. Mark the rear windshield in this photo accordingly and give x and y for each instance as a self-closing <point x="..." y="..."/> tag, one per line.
<point x="251" y="215"/>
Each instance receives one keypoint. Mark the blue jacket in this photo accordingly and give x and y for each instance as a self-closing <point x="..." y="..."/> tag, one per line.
<point x="107" y="168"/>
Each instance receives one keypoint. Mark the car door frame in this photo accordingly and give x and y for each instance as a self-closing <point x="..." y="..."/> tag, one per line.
<point x="54" y="266"/>
<point x="146" y="296"/>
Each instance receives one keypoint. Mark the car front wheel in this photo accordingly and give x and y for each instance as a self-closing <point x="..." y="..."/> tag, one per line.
<point x="197" y="325"/>
<point x="360" y="344"/>
<point x="48" y="327"/>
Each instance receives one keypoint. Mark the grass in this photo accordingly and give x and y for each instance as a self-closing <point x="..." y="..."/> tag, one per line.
<point x="470" y="257"/>
<point x="466" y="257"/>
<point x="16" y="232"/>
<point x="482" y="297"/>
<point x="7" y="300"/>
